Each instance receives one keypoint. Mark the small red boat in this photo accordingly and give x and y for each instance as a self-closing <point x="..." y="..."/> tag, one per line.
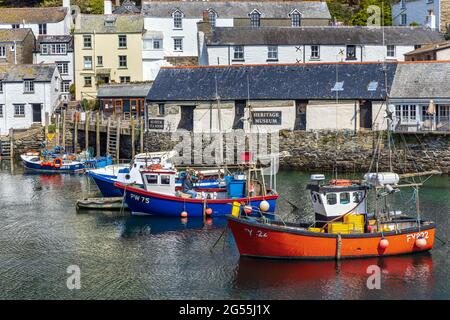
<point x="343" y="227"/>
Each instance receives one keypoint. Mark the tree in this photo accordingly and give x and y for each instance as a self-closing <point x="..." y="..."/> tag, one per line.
<point x="364" y="14"/>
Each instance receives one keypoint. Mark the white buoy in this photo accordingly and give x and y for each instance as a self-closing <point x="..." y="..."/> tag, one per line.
<point x="384" y="243"/>
<point x="421" y="242"/>
<point x="264" y="206"/>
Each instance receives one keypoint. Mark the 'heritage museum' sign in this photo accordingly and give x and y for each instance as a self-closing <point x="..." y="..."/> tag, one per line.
<point x="266" y="117"/>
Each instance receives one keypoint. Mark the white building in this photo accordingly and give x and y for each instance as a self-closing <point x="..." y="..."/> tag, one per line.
<point x="246" y="45"/>
<point x="43" y="21"/>
<point x="27" y="92"/>
<point x="421" y="12"/>
<point x="57" y="50"/>
<point x="171" y="36"/>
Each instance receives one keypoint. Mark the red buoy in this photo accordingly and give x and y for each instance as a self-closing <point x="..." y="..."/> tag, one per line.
<point x="384" y="243"/>
<point x="184" y="214"/>
<point x="208" y="211"/>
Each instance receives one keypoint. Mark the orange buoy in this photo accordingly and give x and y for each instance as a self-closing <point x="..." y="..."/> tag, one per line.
<point x="184" y="214"/>
<point x="384" y="243"/>
<point x="57" y="163"/>
<point x="341" y="182"/>
<point x="208" y="211"/>
<point x="248" y="209"/>
<point x="421" y="242"/>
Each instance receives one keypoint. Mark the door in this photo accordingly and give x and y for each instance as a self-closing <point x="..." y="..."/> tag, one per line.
<point x="118" y="106"/>
<point x="187" y="118"/>
<point x="239" y="111"/>
<point x="300" y="114"/>
<point x="37" y="116"/>
<point x="365" y="115"/>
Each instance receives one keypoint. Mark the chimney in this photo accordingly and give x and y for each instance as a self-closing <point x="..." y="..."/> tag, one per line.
<point x="204" y="25"/>
<point x="205" y="16"/>
<point x="431" y="21"/>
<point x="107" y="7"/>
<point x="66" y="4"/>
<point x="117" y="3"/>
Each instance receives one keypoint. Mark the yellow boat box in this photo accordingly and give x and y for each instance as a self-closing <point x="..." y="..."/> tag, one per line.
<point x="311" y="229"/>
<point x="339" y="227"/>
<point x="357" y="219"/>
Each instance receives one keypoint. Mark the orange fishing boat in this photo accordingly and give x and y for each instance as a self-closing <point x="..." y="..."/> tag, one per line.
<point x="343" y="226"/>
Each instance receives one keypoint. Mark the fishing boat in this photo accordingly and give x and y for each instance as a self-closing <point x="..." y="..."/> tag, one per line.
<point x="105" y="178"/>
<point x="33" y="162"/>
<point x="343" y="225"/>
<point x="159" y="196"/>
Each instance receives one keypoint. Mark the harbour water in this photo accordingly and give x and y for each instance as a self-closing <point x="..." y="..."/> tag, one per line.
<point x="125" y="257"/>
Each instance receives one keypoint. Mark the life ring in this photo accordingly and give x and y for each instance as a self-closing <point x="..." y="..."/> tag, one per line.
<point x="341" y="182"/>
<point x="57" y="163"/>
<point x="155" y="167"/>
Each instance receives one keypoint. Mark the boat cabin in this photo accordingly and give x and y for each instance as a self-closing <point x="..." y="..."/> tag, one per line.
<point x="159" y="180"/>
<point x="336" y="198"/>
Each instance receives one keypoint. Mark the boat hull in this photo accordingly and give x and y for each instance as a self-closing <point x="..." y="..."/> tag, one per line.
<point x="65" y="168"/>
<point x="140" y="202"/>
<point x="255" y="239"/>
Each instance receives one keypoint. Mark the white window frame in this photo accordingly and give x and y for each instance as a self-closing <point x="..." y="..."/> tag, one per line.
<point x="100" y="61"/>
<point x="125" y="65"/>
<point x="42" y="28"/>
<point x="255" y="18"/>
<point x="125" y="79"/>
<point x="120" y="39"/>
<point x="63" y="67"/>
<point x="65" y="86"/>
<point x="296" y="19"/>
<point x="85" y="37"/>
<point x="315" y="54"/>
<point x="272" y="53"/>
<point x="28" y="86"/>
<point x="179" y="47"/>
<point x="19" y="110"/>
<point x="86" y="64"/>
<point x="390" y="51"/>
<point x="177" y="17"/>
<point x="160" y="41"/>
<point x="212" y="17"/>
<point x="238" y="53"/>
<point x="403" y="19"/>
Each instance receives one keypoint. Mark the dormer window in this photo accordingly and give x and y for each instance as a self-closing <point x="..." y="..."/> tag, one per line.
<point x="177" y="20"/>
<point x="28" y="86"/>
<point x="255" y="18"/>
<point x="295" y="18"/>
<point x="110" y="22"/>
<point x="212" y="17"/>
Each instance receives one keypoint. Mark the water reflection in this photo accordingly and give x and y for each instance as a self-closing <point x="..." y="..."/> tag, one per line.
<point x="332" y="279"/>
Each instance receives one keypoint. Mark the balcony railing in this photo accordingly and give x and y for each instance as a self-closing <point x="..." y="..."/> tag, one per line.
<point x="427" y="124"/>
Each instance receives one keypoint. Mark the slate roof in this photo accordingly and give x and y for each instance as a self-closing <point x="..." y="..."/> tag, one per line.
<point x="237" y="9"/>
<point x="312" y="81"/>
<point x="421" y="80"/>
<point x="19" y="72"/>
<point x="430" y="48"/>
<point x="130" y="23"/>
<point x="32" y="15"/>
<point x="8" y="35"/>
<point x="127" y="7"/>
<point x="322" y="35"/>
<point x="55" y="39"/>
<point x="131" y="90"/>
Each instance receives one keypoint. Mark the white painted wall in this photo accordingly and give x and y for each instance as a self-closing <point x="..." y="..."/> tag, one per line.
<point x="53" y="29"/>
<point x="53" y="59"/>
<point x="416" y="11"/>
<point x="330" y="116"/>
<point x="223" y="55"/>
<point x="45" y="93"/>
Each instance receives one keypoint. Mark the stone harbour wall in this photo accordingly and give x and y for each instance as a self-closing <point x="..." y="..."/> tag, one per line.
<point x="347" y="151"/>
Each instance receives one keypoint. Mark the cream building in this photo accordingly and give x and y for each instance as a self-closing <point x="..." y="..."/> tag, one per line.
<point x="108" y="49"/>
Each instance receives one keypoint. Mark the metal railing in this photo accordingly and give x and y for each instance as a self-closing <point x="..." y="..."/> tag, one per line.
<point x="426" y="124"/>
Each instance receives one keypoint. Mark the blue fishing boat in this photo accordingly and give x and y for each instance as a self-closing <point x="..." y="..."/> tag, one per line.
<point x="159" y="196"/>
<point x="58" y="165"/>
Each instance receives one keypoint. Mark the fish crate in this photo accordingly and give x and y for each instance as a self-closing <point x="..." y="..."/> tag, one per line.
<point x="357" y="219"/>
<point x="340" y="227"/>
<point x="311" y="229"/>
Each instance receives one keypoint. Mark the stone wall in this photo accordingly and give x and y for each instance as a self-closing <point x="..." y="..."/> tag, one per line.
<point x="445" y="15"/>
<point x="29" y="140"/>
<point x="347" y="151"/>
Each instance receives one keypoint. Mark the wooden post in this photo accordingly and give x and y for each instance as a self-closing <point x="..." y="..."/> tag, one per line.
<point x="57" y="129"/>
<point x="133" y="151"/>
<point x="11" y="147"/>
<point x="86" y="132"/>
<point x="64" y="129"/>
<point x="47" y="118"/>
<point x="118" y="141"/>
<point x="141" y="133"/>
<point x="108" y="125"/>
<point x="97" y="133"/>
<point x="75" y="132"/>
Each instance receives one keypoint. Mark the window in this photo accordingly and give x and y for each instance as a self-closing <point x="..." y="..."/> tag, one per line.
<point x="357" y="197"/>
<point x="406" y="113"/>
<point x="344" y="198"/>
<point x="28" y="86"/>
<point x="87" y="62"/>
<point x="122" y="61"/>
<point x="331" y="198"/>
<point x="87" y="42"/>
<point x="238" y="53"/>
<point x="19" y="110"/>
<point x="122" y="41"/>
<point x="177" y="20"/>
<point x="165" y="179"/>
<point x="100" y="61"/>
<point x="2" y="51"/>
<point x="65" y="86"/>
<point x="315" y="53"/>
<point x="43" y="28"/>
<point x="351" y="52"/>
<point x="372" y="86"/>
<point x="404" y="19"/>
<point x="15" y="26"/>
<point x="56" y="48"/>
<point x="390" y="51"/>
<point x="1" y="111"/>
<point x="255" y="19"/>
<point x="295" y="18"/>
<point x="1" y="87"/>
<point x="44" y="49"/>
<point x="152" y="179"/>
<point x="63" y="67"/>
<point x="161" y="109"/>
<point x="338" y="86"/>
<point x="417" y="46"/>
<point x="125" y="79"/>
<point x="177" y="44"/>
<point x="157" y="44"/>
<point x="272" y="53"/>
<point x="87" y="81"/>
<point x="212" y="15"/>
